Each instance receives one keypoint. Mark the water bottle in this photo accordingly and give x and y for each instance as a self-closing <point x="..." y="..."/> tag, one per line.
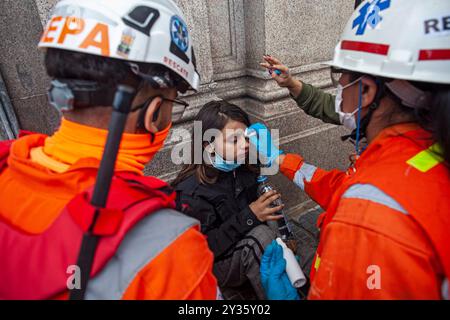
<point x="282" y="224"/>
<point x="286" y="238"/>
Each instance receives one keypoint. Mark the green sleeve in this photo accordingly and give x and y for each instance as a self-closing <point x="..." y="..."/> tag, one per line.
<point x="318" y="104"/>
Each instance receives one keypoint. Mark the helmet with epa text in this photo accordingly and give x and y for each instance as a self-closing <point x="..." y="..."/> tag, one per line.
<point x="135" y="31"/>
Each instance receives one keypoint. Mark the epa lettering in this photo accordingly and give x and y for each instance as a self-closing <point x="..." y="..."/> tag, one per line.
<point x="84" y="35"/>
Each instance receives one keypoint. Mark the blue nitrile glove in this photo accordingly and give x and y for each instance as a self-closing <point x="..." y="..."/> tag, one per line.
<point x="274" y="278"/>
<point x="259" y="136"/>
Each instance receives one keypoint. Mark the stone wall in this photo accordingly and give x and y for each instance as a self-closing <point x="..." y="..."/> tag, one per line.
<point x="230" y="37"/>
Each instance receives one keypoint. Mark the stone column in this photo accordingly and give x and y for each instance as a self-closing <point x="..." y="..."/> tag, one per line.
<point x="21" y="65"/>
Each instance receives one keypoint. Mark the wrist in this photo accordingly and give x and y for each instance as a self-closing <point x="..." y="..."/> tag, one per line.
<point x="255" y="215"/>
<point x="295" y="87"/>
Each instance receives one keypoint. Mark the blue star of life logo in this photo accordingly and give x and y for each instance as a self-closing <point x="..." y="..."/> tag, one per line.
<point x="370" y="15"/>
<point x="179" y="33"/>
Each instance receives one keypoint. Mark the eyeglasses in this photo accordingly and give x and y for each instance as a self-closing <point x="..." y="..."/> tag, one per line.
<point x="179" y="107"/>
<point x="336" y="75"/>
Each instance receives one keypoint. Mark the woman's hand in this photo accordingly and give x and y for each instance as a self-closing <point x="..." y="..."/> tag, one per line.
<point x="284" y="79"/>
<point x="262" y="208"/>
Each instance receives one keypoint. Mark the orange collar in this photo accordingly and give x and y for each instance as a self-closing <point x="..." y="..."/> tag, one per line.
<point x="73" y="143"/>
<point x="396" y="130"/>
<point x="43" y="191"/>
<point x="422" y="138"/>
<point x="68" y="160"/>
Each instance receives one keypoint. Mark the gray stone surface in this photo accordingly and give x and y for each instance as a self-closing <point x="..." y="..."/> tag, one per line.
<point x="3" y="135"/>
<point x="226" y="23"/>
<point x="255" y="29"/>
<point x="34" y="111"/>
<point x="45" y="9"/>
<point x="21" y="62"/>
<point x="306" y="233"/>
<point x="196" y="13"/>
<point x="305" y="32"/>
<point x="9" y="125"/>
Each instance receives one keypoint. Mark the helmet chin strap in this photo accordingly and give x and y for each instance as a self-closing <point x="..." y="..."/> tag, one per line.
<point x="362" y="123"/>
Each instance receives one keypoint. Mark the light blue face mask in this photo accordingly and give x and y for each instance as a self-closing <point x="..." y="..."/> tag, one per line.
<point x="223" y="165"/>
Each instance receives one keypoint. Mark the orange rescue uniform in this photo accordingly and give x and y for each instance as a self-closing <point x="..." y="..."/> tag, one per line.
<point x="45" y="173"/>
<point x="384" y="234"/>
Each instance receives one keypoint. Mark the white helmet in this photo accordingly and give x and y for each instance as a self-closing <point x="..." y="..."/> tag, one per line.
<point x="147" y="31"/>
<point x="399" y="39"/>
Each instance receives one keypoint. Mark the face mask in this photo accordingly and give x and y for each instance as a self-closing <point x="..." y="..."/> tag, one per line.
<point x="223" y="165"/>
<point x="347" y="119"/>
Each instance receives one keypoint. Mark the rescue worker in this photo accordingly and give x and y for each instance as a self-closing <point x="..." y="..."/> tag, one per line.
<point x="384" y="231"/>
<point x="146" y="249"/>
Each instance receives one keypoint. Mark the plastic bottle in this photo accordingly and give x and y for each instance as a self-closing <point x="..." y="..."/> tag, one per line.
<point x="293" y="269"/>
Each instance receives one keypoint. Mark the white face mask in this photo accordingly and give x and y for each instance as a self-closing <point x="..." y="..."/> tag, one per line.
<point x="347" y="119"/>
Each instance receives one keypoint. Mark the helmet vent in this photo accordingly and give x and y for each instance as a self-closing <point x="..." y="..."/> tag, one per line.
<point x="142" y="19"/>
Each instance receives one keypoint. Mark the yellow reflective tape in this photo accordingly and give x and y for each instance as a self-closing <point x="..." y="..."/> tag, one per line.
<point x="317" y="263"/>
<point x="427" y="159"/>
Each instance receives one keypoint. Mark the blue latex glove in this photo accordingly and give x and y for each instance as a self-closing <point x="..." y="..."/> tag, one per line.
<point x="274" y="278"/>
<point x="259" y="136"/>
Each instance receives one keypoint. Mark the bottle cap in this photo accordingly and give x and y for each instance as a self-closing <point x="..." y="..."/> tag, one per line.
<point x="261" y="179"/>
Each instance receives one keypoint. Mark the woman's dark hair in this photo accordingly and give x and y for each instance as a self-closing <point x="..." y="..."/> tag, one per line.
<point x="435" y="118"/>
<point x="213" y="115"/>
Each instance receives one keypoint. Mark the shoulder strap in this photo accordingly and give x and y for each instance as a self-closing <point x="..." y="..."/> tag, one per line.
<point x="126" y="190"/>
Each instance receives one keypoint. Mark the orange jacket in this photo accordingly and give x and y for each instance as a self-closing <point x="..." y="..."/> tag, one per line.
<point x="32" y="196"/>
<point x="384" y="234"/>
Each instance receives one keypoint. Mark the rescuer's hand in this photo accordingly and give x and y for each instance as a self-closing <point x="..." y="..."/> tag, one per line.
<point x="280" y="73"/>
<point x="274" y="278"/>
<point x="261" y="139"/>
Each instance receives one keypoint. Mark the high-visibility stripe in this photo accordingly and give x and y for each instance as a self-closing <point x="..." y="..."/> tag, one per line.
<point x="436" y="54"/>
<point x="317" y="263"/>
<point x="372" y="193"/>
<point x="375" y="48"/>
<point x="305" y="173"/>
<point x="139" y="247"/>
<point x="427" y="159"/>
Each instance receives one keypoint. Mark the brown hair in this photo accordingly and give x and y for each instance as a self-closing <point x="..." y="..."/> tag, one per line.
<point x="213" y="115"/>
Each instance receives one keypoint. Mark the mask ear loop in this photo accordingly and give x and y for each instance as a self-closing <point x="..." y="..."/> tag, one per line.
<point x="358" y="123"/>
<point x="209" y="151"/>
